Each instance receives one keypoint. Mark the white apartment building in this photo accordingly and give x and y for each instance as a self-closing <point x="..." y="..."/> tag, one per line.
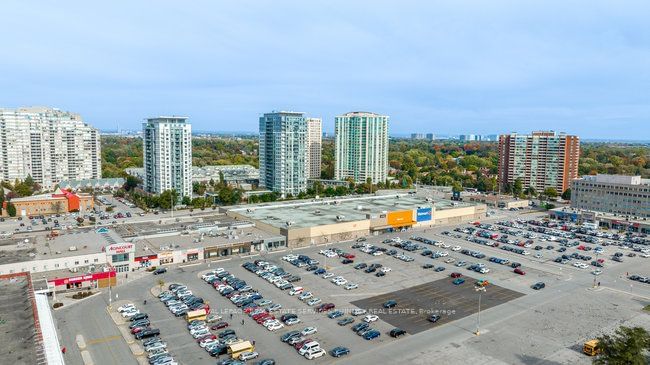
<point x="167" y="153"/>
<point x="314" y="147"/>
<point x="615" y="194"/>
<point x="361" y="147"/>
<point x="49" y="144"/>
<point x="283" y="151"/>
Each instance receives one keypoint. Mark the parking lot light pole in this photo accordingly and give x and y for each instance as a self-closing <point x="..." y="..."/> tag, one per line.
<point x="480" y="291"/>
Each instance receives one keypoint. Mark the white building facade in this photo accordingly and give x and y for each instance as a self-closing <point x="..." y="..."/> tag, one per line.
<point x="167" y="149"/>
<point x="283" y="151"/>
<point x="314" y="147"/>
<point x="361" y="147"/>
<point x="49" y="144"/>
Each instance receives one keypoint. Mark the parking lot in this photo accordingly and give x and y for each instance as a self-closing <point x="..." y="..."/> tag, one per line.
<point x="416" y="304"/>
<point x="568" y="303"/>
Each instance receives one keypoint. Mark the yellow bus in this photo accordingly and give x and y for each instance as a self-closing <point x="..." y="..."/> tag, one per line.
<point x="590" y="348"/>
<point x="198" y="314"/>
<point x="238" y="348"/>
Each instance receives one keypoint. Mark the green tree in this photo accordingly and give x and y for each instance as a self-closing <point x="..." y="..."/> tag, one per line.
<point x="165" y="199"/>
<point x="550" y="192"/>
<point x="11" y="210"/>
<point x="566" y="195"/>
<point x="186" y="200"/>
<point x="517" y="187"/>
<point x="131" y="182"/>
<point x="628" y="346"/>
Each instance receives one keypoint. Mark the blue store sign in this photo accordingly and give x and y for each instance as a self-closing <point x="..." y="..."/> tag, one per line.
<point x="423" y="214"/>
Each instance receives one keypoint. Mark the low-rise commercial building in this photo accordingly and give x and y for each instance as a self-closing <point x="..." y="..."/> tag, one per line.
<point x="615" y="194"/>
<point x="498" y="201"/>
<point x="320" y="221"/>
<point x="600" y="219"/>
<point x="61" y="201"/>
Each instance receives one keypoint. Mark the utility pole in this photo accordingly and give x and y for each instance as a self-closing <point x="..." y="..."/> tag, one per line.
<point x="480" y="291"/>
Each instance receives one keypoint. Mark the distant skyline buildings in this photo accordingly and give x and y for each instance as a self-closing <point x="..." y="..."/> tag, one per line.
<point x="314" y="147"/>
<point x="48" y="144"/>
<point x="167" y="150"/>
<point x="361" y="150"/>
<point x="283" y="152"/>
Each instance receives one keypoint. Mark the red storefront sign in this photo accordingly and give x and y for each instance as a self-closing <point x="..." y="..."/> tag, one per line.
<point x="82" y="278"/>
<point x="146" y="258"/>
<point x="120" y="248"/>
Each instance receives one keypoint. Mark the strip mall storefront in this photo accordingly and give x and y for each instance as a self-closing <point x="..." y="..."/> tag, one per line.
<point x="120" y="256"/>
<point x="147" y="261"/>
<point x="90" y="281"/>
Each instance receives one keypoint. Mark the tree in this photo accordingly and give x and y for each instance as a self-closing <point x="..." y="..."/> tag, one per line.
<point x="517" y="187"/>
<point x="186" y="200"/>
<point x="625" y="347"/>
<point x="550" y="192"/>
<point x="456" y="187"/>
<point x="131" y="183"/>
<point x="566" y="195"/>
<point x="165" y="199"/>
<point x="530" y="191"/>
<point x="11" y="210"/>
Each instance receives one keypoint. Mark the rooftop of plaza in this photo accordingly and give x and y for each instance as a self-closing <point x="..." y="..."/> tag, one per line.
<point x="18" y="336"/>
<point x="317" y="212"/>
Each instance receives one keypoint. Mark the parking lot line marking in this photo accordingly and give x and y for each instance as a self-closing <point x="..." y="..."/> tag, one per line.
<point x="102" y="340"/>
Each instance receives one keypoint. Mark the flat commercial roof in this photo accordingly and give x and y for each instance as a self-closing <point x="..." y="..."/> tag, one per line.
<point x="20" y="339"/>
<point x="319" y="212"/>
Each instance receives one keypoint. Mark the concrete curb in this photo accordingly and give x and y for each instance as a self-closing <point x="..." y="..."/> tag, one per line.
<point x="87" y="359"/>
<point x="81" y="342"/>
<point x="136" y="349"/>
<point x="126" y="334"/>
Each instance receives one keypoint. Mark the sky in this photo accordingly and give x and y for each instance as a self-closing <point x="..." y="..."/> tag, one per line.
<point x="443" y="67"/>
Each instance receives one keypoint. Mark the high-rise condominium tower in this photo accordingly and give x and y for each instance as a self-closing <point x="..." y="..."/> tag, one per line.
<point x="541" y="160"/>
<point x="283" y="152"/>
<point x="49" y="144"/>
<point x="167" y="155"/>
<point x="314" y="147"/>
<point x="361" y="146"/>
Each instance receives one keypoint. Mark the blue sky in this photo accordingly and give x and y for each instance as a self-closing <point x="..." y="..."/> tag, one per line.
<point x="447" y="67"/>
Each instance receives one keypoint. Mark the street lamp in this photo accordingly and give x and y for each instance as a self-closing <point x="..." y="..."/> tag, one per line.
<point x="480" y="291"/>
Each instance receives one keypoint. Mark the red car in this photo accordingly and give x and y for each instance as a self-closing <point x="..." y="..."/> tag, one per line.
<point x="250" y="309"/>
<point x="260" y="315"/>
<point x="348" y="255"/>
<point x="298" y="345"/>
<point x="325" y="307"/>
<point x="219" y="326"/>
<point x="519" y="271"/>
<point x="206" y="337"/>
<point x="602" y="261"/>
<point x="138" y="329"/>
<point x="456" y="274"/>
<point x="264" y="319"/>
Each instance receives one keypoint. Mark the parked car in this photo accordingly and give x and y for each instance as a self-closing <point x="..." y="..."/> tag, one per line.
<point x="397" y="332"/>
<point x="339" y="351"/>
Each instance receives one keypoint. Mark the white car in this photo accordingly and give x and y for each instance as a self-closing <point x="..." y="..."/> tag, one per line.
<point x="129" y="314"/>
<point x="327" y="275"/>
<point x="292" y="321"/>
<point x="385" y="269"/>
<point x="208" y="343"/>
<point x="305" y="296"/>
<point x="275" y="327"/>
<point x="538" y="256"/>
<point x="597" y="272"/>
<point x="309" y="331"/>
<point x="484" y="270"/>
<point x="444" y="245"/>
<point x="126" y="307"/>
<point x="377" y="253"/>
<point x="358" y="312"/>
<point x="351" y="286"/>
<point x="370" y="318"/>
<point x="315" y="354"/>
<point x="312" y="302"/>
<point x="340" y="282"/>
<point x="248" y="355"/>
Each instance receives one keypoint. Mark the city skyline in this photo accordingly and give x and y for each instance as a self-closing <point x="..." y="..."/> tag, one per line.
<point x="452" y="68"/>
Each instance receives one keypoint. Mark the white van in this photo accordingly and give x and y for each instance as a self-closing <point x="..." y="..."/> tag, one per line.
<point x="309" y="347"/>
<point x="296" y="290"/>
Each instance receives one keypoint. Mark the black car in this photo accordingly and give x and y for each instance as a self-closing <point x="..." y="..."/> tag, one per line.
<point x="380" y="274"/>
<point x="218" y="350"/>
<point x="434" y="318"/>
<point x="369" y="270"/>
<point x="289" y="335"/>
<point x="160" y="270"/>
<point x="397" y="332"/>
<point x="390" y="303"/>
<point x="515" y="265"/>
<point x="360" y="266"/>
<point x="225" y="333"/>
<point x="538" y="286"/>
<point x="139" y="317"/>
<point x="286" y="317"/>
<point x="147" y="333"/>
<point x="427" y="266"/>
<point x="347" y="261"/>
<point x="360" y="326"/>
